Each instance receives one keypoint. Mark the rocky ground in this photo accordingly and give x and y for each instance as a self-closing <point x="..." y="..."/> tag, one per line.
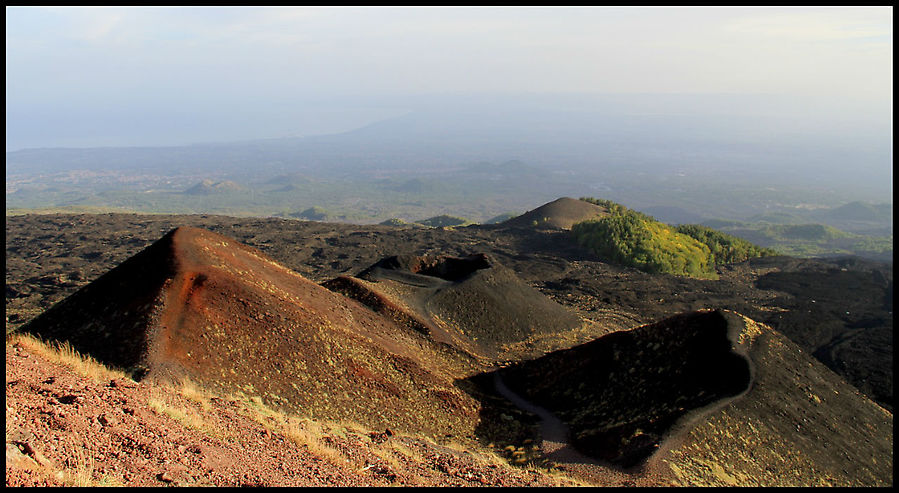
<point x="838" y="309"/>
<point x="66" y="428"/>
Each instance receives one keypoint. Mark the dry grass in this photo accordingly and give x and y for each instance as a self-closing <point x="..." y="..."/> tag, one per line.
<point x="564" y="478"/>
<point x="310" y="434"/>
<point x="83" y="473"/>
<point x="80" y="474"/>
<point x="302" y="431"/>
<point x="63" y="353"/>
<point x="187" y="417"/>
<point x="305" y="432"/>
<point x="190" y="390"/>
<point x="388" y="453"/>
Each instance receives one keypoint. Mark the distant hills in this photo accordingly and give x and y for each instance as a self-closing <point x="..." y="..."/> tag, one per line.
<point x="513" y="152"/>
<point x="312" y="214"/>
<point x="207" y="187"/>
<point x="444" y="221"/>
<point x="467" y="161"/>
<point x="808" y="240"/>
<point x="561" y="213"/>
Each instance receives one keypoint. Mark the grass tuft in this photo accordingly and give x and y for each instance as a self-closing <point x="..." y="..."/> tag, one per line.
<point x="183" y="415"/>
<point x="63" y="353"/>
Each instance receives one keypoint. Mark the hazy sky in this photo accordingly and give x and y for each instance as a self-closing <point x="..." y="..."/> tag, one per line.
<point x="153" y="76"/>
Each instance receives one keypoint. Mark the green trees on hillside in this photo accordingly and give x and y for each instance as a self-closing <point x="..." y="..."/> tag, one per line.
<point x="725" y="248"/>
<point x="394" y="221"/>
<point x="614" y="208"/>
<point x="635" y="239"/>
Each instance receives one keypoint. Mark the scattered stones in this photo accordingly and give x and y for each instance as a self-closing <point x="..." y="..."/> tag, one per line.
<point x="28" y="449"/>
<point x="122" y="383"/>
<point x="380" y="437"/>
<point x="69" y="399"/>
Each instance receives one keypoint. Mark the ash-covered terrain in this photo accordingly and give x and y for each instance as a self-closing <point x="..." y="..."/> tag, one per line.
<point x="349" y="321"/>
<point x="838" y="309"/>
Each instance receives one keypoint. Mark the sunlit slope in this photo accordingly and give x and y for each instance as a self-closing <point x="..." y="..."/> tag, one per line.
<point x="800" y="424"/>
<point x="471" y="303"/>
<point x="716" y="399"/>
<point x="562" y="213"/>
<point x="200" y="305"/>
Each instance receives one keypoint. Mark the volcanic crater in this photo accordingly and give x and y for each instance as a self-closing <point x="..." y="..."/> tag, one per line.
<point x="470" y="302"/>
<point x="622" y="393"/>
<point x="413" y="343"/>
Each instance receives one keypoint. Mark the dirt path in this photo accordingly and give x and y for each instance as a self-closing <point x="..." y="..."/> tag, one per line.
<point x="556" y="447"/>
<point x="552" y="429"/>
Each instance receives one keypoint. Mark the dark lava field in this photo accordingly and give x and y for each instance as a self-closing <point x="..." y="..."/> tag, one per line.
<point x="839" y="310"/>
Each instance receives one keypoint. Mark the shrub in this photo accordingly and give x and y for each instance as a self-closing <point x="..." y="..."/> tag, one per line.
<point x="725" y="248"/>
<point x="634" y="239"/>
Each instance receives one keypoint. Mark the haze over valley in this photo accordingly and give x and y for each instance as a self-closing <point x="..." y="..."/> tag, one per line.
<point x="479" y="157"/>
<point x="449" y="246"/>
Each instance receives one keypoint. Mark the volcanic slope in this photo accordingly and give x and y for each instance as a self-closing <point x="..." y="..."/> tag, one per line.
<point x="712" y="398"/>
<point x="199" y="305"/>
<point x="473" y="303"/>
<point x="561" y="213"/>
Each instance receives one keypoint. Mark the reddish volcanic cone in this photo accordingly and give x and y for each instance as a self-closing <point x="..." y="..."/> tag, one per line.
<point x="199" y="305"/>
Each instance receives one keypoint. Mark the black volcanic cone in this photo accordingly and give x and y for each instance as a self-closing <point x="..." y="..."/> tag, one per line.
<point x="561" y="213"/>
<point x="108" y="318"/>
<point x="622" y="393"/>
<point x="476" y="297"/>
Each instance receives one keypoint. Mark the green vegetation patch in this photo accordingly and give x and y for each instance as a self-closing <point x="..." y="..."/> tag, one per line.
<point x="614" y="208"/>
<point x="808" y="232"/>
<point x="637" y="240"/>
<point x="725" y="248"/>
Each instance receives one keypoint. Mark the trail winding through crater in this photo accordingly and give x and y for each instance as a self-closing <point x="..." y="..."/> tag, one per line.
<point x="557" y="449"/>
<point x="555" y="446"/>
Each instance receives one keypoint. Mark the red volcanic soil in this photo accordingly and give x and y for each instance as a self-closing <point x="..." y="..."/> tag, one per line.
<point x="196" y="304"/>
<point x="199" y="305"/>
<point x="64" y="429"/>
<point x="562" y="213"/>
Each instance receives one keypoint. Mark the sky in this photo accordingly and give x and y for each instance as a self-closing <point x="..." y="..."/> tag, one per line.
<point x="82" y="77"/>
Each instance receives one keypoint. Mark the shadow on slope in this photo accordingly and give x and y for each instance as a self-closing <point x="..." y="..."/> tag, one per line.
<point x="622" y="394"/>
<point x="472" y="303"/>
<point x="198" y="304"/>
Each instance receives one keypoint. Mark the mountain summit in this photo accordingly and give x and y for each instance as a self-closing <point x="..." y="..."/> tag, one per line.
<point x="561" y="213"/>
